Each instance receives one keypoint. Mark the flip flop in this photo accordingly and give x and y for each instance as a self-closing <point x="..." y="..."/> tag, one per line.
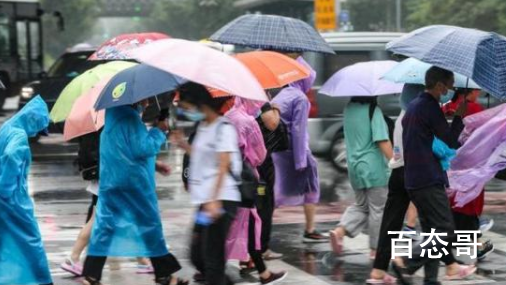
<point x="464" y="271"/>
<point x="399" y="273"/>
<point x="387" y="279"/>
<point x="336" y="242"/>
<point x="76" y="268"/>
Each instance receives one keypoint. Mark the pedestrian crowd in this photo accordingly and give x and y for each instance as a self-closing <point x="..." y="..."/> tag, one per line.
<point x="243" y="159"/>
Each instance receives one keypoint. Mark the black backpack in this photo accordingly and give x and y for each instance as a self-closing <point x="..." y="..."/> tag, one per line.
<point x="88" y="156"/>
<point x="388" y="120"/>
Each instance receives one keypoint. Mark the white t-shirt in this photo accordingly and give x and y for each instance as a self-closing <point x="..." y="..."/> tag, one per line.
<point x="209" y="141"/>
<point x="398" y="157"/>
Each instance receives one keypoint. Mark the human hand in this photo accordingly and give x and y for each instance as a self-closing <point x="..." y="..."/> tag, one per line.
<point x="214" y="209"/>
<point x="162" y="168"/>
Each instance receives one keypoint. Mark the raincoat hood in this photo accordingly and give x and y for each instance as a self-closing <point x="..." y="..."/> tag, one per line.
<point x="305" y="84"/>
<point x="250" y="107"/>
<point x="33" y="118"/>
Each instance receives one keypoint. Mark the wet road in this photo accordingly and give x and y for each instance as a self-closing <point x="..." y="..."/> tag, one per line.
<point x="61" y="204"/>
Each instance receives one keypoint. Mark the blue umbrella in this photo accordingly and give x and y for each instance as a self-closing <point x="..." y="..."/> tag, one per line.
<point x="270" y="32"/>
<point x="476" y="54"/>
<point x="413" y="71"/>
<point x="136" y="84"/>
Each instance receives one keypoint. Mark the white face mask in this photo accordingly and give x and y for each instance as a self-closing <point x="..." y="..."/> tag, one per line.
<point x="447" y="97"/>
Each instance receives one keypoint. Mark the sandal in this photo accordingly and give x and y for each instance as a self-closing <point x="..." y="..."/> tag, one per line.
<point x="90" y="281"/>
<point x="399" y="273"/>
<point x="168" y="281"/>
<point x="75" y="268"/>
<point x="464" y="271"/>
<point x="387" y="279"/>
<point x="336" y="242"/>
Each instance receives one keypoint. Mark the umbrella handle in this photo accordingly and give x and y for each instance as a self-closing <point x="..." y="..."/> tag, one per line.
<point x="158" y="103"/>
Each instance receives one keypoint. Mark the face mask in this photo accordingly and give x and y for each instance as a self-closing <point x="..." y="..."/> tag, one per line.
<point x="193" y="115"/>
<point x="446" y="97"/>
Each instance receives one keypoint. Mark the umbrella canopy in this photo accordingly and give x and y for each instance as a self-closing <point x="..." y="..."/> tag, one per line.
<point x="271" y="32"/>
<point x="116" y="48"/>
<point x="362" y="79"/>
<point x="81" y="84"/>
<point x="83" y="118"/>
<point x="476" y="54"/>
<point x="203" y="65"/>
<point x="413" y="71"/>
<point x="136" y="84"/>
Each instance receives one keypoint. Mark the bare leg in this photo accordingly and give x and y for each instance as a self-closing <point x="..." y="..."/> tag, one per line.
<point x="82" y="239"/>
<point x="143" y="261"/>
<point x="411" y="216"/>
<point x="310" y="212"/>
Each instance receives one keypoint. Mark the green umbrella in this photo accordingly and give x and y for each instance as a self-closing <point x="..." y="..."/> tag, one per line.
<point x="83" y="83"/>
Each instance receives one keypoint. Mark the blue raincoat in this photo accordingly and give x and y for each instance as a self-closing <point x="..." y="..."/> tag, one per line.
<point x="22" y="256"/>
<point x="127" y="221"/>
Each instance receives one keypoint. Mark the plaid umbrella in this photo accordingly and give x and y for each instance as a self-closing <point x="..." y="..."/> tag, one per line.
<point x="476" y="54"/>
<point x="269" y="32"/>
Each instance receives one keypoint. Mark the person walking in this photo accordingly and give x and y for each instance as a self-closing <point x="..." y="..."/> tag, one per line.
<point x="425" y="178"/>
<point x="398" y="203"/>
<point x="367" y="144"/>
<point x="22" y="256"/>
<point x="214" y="157"/>
<point x="127" y="218"/>
<point x="296" y="171"/>
<point x="252" y="147"/>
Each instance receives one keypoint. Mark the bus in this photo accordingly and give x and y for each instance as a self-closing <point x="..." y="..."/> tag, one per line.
<point x="21" y="50"/>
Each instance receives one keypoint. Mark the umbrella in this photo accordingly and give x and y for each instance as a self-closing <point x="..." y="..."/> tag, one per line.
<point x="272" y="69"/>
<point x="476" y="54"/>
<point x="83" y="83"/>
<point x="83" y="118"/>
<point x="413" y="71"/>
<point x="136" y="84"/>
<point x="203" y="65"/>
<point x="362" y="79"/>
<point x="270" y="32"/>
<point x="116" y="48"/>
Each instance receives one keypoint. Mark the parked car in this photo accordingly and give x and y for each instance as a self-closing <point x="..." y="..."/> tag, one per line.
<point x="69" y="65"/>
<point x="326" y="116"/>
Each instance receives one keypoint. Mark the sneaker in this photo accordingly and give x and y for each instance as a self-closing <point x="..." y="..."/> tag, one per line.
<point x="274" y="279"/>
<point x="486" y="224"/>
<point x="271" y="255"/>
<point x="145" y="269"/>
<point x="315" y="237"/>
<point x="487" y="248"/>
<point x="76" y="268"/>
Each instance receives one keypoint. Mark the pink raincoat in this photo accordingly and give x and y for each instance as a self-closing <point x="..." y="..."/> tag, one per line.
<point x="481" y="157"/>
<point x="251" y="144"/>
<point x="296" y="169"/>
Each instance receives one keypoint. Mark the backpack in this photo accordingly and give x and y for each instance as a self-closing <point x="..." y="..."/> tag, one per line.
<point x="88" y="156"/>
<point x="390" y="123"/>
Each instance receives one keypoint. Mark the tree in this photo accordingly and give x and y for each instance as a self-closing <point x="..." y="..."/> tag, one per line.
<point x="79" y="17"/>
<point x="192" y="19"/>
<point x="487" y="15"/>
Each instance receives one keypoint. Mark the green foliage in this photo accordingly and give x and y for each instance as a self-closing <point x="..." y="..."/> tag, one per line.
<point x="487" y="15"/>
<point x="79" y="16"/>
<point x="189" y="19"/>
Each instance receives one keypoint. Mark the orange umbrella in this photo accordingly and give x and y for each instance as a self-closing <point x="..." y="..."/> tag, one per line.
<point x="272" y="69"/>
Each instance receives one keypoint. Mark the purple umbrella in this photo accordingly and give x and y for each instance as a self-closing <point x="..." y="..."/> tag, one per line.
<point x="362" y="79"/>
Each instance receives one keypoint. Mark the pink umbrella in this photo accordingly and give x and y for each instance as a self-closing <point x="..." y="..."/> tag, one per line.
<point x="201" y="64"/>
<point x="83" y="118"/>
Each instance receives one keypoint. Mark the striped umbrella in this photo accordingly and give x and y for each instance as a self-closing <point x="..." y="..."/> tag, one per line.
<point x="270" y="32"/>
<point x="476" y="54"/>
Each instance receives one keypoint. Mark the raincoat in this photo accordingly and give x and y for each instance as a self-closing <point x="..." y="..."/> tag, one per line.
<point x="252" y="146"/>
<point x="22" y="256"/>
<point x="296" y="169"/>
<point x="127" y="221"/>
<point x="481" y="157"/>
